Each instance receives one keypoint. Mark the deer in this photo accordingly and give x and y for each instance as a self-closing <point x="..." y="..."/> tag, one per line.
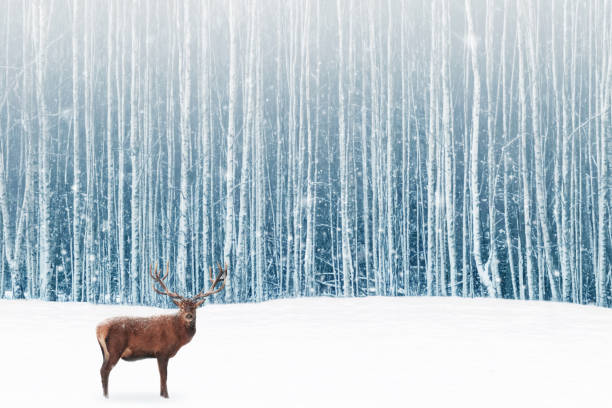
<point x="160" y="337"/>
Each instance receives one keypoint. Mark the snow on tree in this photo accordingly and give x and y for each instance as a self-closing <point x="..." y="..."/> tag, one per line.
<point x="317" y="148"/>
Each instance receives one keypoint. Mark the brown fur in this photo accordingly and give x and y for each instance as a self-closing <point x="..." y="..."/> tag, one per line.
<point x="160" y="337"/>
<point x="135" y="338"/>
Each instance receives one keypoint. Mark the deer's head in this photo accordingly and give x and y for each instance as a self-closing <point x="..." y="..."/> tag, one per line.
<point x="188" y="305"/>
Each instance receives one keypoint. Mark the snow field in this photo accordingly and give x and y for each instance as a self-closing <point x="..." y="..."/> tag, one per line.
<point x="321" y="352"/>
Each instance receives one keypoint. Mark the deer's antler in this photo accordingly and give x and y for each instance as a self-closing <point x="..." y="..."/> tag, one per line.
<point x="220" y="278"/>
<point x="160" y="281"/>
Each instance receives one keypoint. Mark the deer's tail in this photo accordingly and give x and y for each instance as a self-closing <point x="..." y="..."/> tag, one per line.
<point x="101" y="333"/>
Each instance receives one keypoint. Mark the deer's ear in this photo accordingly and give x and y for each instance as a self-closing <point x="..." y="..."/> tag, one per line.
<point x="176" y="302"/>
<point x="199" y="302"/>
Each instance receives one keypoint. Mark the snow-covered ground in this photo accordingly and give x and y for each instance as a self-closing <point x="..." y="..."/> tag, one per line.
<point x="320" y="352"/>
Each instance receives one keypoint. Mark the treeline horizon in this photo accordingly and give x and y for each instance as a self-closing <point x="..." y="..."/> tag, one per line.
<point x="316" y="147"/>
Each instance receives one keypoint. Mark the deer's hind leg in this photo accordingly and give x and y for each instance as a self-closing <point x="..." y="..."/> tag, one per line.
<point x="101" y="334"/>
<point x="107" y="366"/>
<point x="110" y="358"/>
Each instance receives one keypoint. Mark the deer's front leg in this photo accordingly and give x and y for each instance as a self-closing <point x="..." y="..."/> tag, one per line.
<point x="162" y="363"/>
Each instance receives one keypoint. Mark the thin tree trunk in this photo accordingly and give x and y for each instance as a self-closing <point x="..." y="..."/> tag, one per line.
<point x="430" y="160"/>
<point x="44" y="196"/>
<point x="184" y="192"/>
<point x="110" y="159"/>
<point x="347" y="261"/>
<point x="493" y="260"/>
<point x="482" y="268"/>
<point x="526" y="193"/>
<point x="448" y="167"/>
<point x="389" y="199"/>
<point x="229" y="243"/>
<point x="135" y="268"/>
<point x="205" y="135"/>
<point x="541" y="205"/>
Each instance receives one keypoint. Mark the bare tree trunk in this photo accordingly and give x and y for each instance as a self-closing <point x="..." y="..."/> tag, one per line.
<point x="135" y="267"/>
<point x="260" y="194"/>
<point x="375" y="132"/>
<point x="205" y="134"/>
<point x="89" y="260"/>
<point x="311" y="205"/>
<point x="364" y="163"/>
<point x="564" y="233"/>
<point x="430" y="161"/>
<point x="389" y="199"/>
<point x="493" y="260"/>
<point x="184" y="192"/>
<point x="45" y="266"/>
<point x="245" y="172"/>
<point x="448" y="148"/>
<point x="483" y="269"/>
<point x="557" y="202"/>
<point x="12" y="237"/>
<point x="517" y="291"/>
<point x="121" y="233"/>
<point x="347" y="261"/>
<point x="406" y="159"/>
<point x="110" y="159"/>
<point x="604" y="134"/>
<point x="76" y="160"/>
<point x="465" y="220"/>
<point x="526" y="193"/>
<point x="541" y="205"/>
<point x="229" y="242"/>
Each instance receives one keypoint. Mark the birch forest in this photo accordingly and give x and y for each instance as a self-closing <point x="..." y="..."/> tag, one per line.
<point x="318" y="147"/>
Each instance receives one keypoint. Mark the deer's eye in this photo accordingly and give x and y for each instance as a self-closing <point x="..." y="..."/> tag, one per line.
<point x="189" y="316"/>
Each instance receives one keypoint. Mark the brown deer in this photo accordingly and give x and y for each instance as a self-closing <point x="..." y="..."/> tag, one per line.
<point x="160" y="337"/>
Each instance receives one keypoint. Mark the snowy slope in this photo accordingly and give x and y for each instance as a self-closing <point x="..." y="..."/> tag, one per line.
<point x="422" y="352"/>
